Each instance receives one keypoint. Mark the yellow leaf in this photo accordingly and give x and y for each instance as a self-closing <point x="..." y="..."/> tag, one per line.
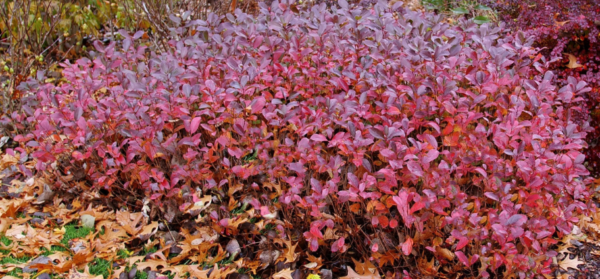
<point x="313" y="276"/>
<point x="573" y="62"/>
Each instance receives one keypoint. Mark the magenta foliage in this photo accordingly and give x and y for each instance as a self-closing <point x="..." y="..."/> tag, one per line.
<point x="461" y="126"/>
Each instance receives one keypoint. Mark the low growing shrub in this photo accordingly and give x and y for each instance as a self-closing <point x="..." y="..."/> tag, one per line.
<point x="380" y="131"/>
<point x="569" y="30"/>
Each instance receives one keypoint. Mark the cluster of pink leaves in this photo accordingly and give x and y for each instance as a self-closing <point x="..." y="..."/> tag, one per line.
<point x="346" y="105"/>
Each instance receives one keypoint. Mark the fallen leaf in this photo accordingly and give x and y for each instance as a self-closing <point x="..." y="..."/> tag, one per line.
<point x="570" y="263"/>
<point x="290" y="256"/>
<point x="447" y="254"/>
<point x="561" y="23"/>
<point x="364" y="268"/>
<point x="88" y="221"/>
<point x="573" y="62"/>
<point x="285" y="274"/>
<point x="17" y="231"/>
<point x="233" y="247"/>
<point x="353" y="275"/>
<point x="46" y="195"/>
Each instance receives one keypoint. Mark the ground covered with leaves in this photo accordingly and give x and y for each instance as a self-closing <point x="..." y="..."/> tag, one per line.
<point x="321" y="141"/>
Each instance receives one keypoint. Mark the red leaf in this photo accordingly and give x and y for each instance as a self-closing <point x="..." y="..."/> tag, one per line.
<point x="416" y="207"/>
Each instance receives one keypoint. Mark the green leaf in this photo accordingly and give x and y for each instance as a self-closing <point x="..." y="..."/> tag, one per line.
<point x="460" y="11"/>
<point x="483" y="8"/>
<point x="481" y="19"/>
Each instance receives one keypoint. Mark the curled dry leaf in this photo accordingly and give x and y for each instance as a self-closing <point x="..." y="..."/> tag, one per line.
<point x="284" y="274"/>
<point x="573" y="62"/>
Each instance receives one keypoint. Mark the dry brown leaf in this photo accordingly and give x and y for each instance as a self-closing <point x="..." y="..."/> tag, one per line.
<point x="134" y="259"/>
<point x="117" y="273"/>
<point x="573" y="62"/>
<point x="447" y="254"/>
<point x="74" y="274"/>
<point x="561" y="23"/>
<point x="364" y="268"/>
<point x="353" y="275"/>
<point x="570" y="263"/>
<point x="316" y="260"/>
<point x="194" y="271"/>
<point x="154" y="265"/>
<point x="17" y="232"/>
<point x="5" y="224"/>
<point x="289" y="254"/>
<point x="148" y="230"/>
<point x="284" y="274"/>
<point x="130" y="221"/>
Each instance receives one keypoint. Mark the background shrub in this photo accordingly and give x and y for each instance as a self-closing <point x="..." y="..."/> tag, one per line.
<point x="37" y="34"/>
<point x="379" y="131"/>
<point x="569" y="31"/>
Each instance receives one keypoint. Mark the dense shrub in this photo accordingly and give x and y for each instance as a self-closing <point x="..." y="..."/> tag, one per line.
<point x="568" y="30"/>
<point x="382" y="131"/>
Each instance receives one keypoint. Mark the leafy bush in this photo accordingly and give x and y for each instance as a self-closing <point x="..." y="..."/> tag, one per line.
<point x="35" y="34"/>
<point x="568" y="30"/>
<point x="382" y="131"/>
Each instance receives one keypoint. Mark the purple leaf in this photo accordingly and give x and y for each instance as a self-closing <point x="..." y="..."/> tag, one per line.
<point x="415" y="168"/>
<point x="517" y="220"/>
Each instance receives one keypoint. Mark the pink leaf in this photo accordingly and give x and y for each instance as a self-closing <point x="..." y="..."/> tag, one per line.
<point x="258" y="104"/>
<point x="195" y="124"/>
<point x="318" y="137"/>
<point x="516" y="220"/>
<point x="338" y="245"/>
<point x="407" y="246"/>
<point x="463" y="259"/>
<point x="431" y="156"/>
<point x="415" y="168"/>
<point x="375" y="247"/>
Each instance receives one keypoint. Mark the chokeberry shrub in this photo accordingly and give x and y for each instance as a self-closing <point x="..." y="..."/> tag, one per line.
<point x="569" y="30"/>
<point x="381" y="131"/>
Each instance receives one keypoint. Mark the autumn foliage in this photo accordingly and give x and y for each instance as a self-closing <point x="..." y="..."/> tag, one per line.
<point x="569" y="32"/>
<point x="379" y="131"/>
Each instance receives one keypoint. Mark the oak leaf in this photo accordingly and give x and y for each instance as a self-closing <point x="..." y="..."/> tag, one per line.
<point x="283" y="274"/>
<point x="570" y="263"/>
<point x="353" y="275"/>
<point x="290" y="256"/>
<point x="154" y="265"/>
